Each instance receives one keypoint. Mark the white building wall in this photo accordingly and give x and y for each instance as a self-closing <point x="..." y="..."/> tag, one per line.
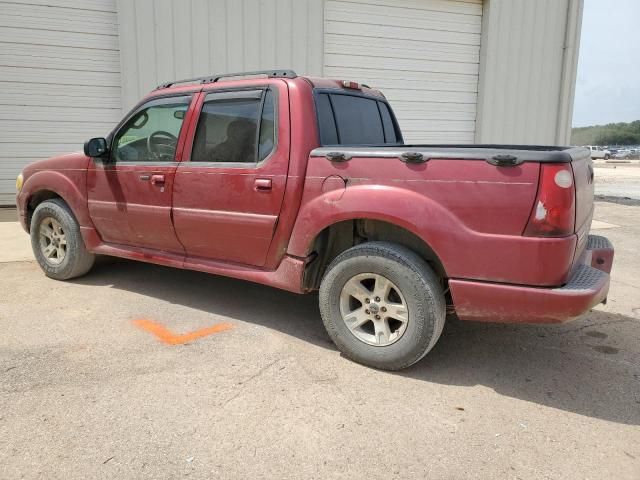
<point x="528" y="66"/>
<point x="492" y="71"/>
<point x="59" y="78"/>
<point x="165" y="40"/>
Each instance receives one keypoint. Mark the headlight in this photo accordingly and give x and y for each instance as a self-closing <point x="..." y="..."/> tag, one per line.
<point x="19" y="182"/>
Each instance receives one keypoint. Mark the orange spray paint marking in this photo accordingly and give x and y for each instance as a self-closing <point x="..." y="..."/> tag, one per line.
<point x="170" y="338"/>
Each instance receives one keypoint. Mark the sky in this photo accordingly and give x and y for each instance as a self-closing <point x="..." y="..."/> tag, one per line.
<point x="608" y="86"/>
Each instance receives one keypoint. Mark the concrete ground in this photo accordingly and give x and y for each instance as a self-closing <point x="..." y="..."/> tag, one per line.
<point x="618" y="180"/>
<point x="86" y="393"/>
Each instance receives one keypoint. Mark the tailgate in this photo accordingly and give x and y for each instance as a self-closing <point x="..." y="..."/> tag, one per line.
<point x="583" y="179"/>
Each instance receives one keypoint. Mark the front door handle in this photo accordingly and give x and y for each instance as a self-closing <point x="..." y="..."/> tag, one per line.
<point x="157" y="180"/>
<point x="263" y="184"/>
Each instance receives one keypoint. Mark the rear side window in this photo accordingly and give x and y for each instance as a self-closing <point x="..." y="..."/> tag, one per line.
<point x="326" y="122"/>
<point x="387" y="123"/>
<point x="354" y="120"/>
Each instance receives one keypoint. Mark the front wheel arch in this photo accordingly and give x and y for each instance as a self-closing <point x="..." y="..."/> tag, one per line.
<point x="36" y="199"/>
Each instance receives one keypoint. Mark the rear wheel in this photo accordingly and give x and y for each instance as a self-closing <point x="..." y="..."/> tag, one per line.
<point x="382" y="305"/>
<point x="607" y="157"/>
<point x="57" y="243"/>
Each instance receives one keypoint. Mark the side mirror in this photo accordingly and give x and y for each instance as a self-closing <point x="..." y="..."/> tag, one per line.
<point x="96" y="147"/>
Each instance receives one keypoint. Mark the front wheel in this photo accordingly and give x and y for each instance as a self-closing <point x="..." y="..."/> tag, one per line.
<point x="57" y="243"/>
<point x="382" y="305"/>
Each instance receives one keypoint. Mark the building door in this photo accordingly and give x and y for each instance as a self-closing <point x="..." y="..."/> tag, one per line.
<point x="423" y="54"/>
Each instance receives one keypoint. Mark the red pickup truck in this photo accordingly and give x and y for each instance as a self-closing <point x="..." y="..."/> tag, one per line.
<point x="306" y="184"/>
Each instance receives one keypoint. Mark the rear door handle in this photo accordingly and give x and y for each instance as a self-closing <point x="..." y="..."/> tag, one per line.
<point x="145" y="177"/>
<point x="157" y="180"/>
<point x="263" y="184"/>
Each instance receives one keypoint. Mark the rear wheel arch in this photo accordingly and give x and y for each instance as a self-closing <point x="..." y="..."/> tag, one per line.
<point x="340" y="236"/>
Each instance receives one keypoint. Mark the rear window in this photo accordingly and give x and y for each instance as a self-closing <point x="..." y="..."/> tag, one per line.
<point x="345" y="119"/>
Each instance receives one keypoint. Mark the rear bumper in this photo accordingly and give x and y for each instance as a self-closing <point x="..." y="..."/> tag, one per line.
<point x="493" y="302"/>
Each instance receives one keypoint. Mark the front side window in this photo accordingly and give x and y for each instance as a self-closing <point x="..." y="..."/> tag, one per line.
<point x="235" y="127"/>
<point x="151" y="134"/>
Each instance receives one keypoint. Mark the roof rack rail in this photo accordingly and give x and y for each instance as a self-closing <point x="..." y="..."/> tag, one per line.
<point x="215" y="78"/>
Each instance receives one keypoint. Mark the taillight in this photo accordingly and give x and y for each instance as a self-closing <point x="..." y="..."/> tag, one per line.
<point x="554" y="212"/>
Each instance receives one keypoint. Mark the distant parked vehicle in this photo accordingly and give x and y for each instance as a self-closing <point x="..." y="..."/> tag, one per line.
<point x="599" y="152"/>
<point x="623" y="155"/>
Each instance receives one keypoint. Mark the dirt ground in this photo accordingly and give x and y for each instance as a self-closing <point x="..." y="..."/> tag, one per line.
<point x="88" y="392"/>
<point x="618" y="180"/>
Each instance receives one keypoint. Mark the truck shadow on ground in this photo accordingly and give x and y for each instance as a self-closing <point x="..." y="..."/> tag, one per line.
<point x="590" y="366"/>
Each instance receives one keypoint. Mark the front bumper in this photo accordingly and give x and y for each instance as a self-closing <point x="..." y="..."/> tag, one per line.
<point x="494" y="302"/>
<point x="22" y="211"/>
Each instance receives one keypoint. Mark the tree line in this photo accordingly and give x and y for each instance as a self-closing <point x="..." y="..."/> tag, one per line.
<point x="609" y="134"/>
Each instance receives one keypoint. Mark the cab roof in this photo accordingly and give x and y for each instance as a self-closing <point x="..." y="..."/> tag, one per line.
<point x="197" y="83"/>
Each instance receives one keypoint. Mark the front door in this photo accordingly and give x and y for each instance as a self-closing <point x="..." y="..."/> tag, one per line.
<point x="130" y="193"/>
<point x="228" y="193"/>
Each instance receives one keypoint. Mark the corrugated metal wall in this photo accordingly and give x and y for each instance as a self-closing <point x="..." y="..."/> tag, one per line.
<point x="165" y="40"/>
<point x="60" y="78"/>
<point x="64" y="79"/>
<point x="423" y="54"/>
<point x="527" y="74"/>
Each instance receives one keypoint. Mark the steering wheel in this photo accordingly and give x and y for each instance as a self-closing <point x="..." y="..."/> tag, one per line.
<point x="162" y="144"/>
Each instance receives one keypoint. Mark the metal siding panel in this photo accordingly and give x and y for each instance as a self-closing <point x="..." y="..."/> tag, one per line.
<point x="315" y="33"/>
<point x="60" y="72"/>
<point x="59" y="57"/>
<point x="465" y="7"/>
<point x="164" y="40"/>
<point x="284" y="50"/>
<point x="29" y="34"/>
<point x="219" y="51"/>
<point x="95" y="5"/>
<point x="298" y="32"/>
<point x="145" y="41"/>
<point x="235" y="38"/>
<point x="215" y="36"/>
<point x="251" y="30"/>
<point x="424" y="55"/>
<point x="523" y="60"/>
<point x="181" y="23"/>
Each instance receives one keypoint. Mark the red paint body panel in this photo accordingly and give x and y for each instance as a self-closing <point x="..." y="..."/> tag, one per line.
<point x="469" y="212"/>
<point x="128" y="210"/>
<point x="65" y="176"/>
<point x="214" y="218"/>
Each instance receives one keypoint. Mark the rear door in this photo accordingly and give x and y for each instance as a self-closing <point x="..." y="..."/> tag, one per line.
<point x="130" y="194"/>
<point x="229" y="189"/>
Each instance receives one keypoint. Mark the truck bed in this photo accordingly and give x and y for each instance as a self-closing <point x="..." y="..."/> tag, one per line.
<point x="470" y="203"/>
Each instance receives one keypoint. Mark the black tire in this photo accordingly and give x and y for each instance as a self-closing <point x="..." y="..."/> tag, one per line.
<point x="419" y="286"/>
<point x="77" y="260"/>
<point x="607" y="157"/>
